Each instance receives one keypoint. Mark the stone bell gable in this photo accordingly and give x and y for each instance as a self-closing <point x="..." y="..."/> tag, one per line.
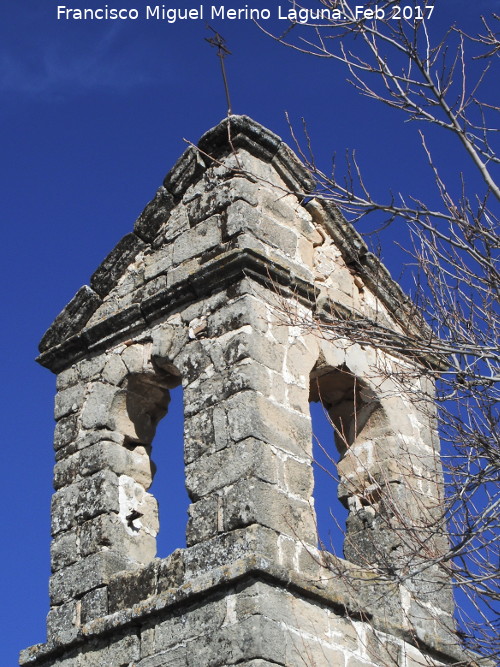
<point x="211" y="290"/>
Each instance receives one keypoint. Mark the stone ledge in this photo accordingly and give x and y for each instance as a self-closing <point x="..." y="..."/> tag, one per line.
<point x="219" y="273"/>
<point x="72" y="318"/>
<point x="326" y="589"/>
<point x="213" y="276"/>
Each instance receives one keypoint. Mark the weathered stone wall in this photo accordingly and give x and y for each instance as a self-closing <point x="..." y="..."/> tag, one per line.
<point x="210" y="290"/>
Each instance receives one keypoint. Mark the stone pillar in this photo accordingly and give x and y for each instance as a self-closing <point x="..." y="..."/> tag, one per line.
<point x="103" y="518"/>
<point x="247" y="439"/>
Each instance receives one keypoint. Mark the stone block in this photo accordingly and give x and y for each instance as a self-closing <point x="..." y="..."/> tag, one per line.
<point x="149" y="292"/>
<point x="155" y="215"/>
<point x="208" y="203"/>
<point x="64" y="550"/>
<point x="67" y="378"/>
<point x="108" y="531"/>
<point x="182" y="274"/>
<point x="78" y="502"/>
<point x="196" y="241"/>
<point x="247" y="241"/>
<point x="355" y="661"/>
<point x="65" y="431"/>
<point x="87" y="574"/>
<point x="245" y="459"/>
<point x="414" y="658"/>
<point x="94" y="604"/>
<point x="309" y="561"/>
<point x="63" y="622"/>
<point x="147" y="636"/>
<point x="105" y="530"/>
<point x="98" y="494"/>
<point x="134" y="411"/>
<point x="122" y="650"/>
<point x="66" y="471"/>
<point x="248" y="344"/>
<point x="276" y="235"/>
<point x="252" y="415"/>
<point x="88" y="438"/>
<point x="209" y="391"/>
<point x="279" y="390"/>
<point x="178" y="223"/>
<point x="199" y="434"/>
<point x="69" y="401"/>
<point x="104" y="455"/>
<point x="226" y="548"/>
<point x="305" y="252"/>
<point x="133" y="356"/>
<point x="297" y="398"/>
<point x="383" y="650"/>
<point x="193" y="360"/>
<point x="63" y="507"/>
<point x="241" y="217"/>
<point x="133" y="498"/>
<point x="255" y="637"/>
<point x="433" y="587"/>
<point x="182" y="627"/>
<point x="131" y="588"/>
<point x="254" y="501"/>
<point x="72" y="318"/>
<point x="158" y="263"/>
<point x="170" y="571"/>
<point x="125" y="650"/>
<point x="97" y="411"/>
<point x="186" y="171"/>
<point x="112" y="268"/>
<point x="114" y="370"/>
<point x="281" y="606"/>
<point x="299" y="364"/>
<point x="280" y="328"/>
<point x="281" y="206"/>
<point x="221" y="428"/>
<point x="299" y="478"/>
<point x="174" y="657"/>
<point x="246" y="310"/>
<point x="321" y="654"/>
<point x="248" y="374"/>
<point x="168" y="340"/>
<point x="205" y="519"/>
<point x="91" y="367"/>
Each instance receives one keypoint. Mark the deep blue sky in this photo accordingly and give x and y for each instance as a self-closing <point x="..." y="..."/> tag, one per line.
<point x="92" y="116"/>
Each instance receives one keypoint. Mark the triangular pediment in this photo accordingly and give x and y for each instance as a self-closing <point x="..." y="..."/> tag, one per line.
<point x="184" y="243"/>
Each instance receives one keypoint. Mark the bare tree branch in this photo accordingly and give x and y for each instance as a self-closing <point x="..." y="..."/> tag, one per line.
<point x="395" y="60"/>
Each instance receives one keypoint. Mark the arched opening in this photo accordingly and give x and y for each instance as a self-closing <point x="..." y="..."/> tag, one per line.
<point x="342" y="406"/>
<point x="331" y="515"/>
<point x="169" y="486"/>
<point x="153" y="498"/>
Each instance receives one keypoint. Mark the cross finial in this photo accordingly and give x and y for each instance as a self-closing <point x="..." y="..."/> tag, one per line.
<point x="222" y="51"/>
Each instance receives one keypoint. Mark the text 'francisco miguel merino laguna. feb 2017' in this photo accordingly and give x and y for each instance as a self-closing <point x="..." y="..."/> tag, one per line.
<point x="246" y="13"/>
